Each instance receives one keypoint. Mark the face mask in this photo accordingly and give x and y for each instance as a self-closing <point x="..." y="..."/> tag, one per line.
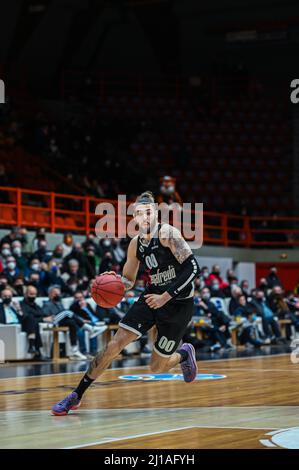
<point x="206" y="296"/>
<point x="58" y="255"/>
<point x="6" y="252"/>
<point x="57" y="298"/>
<point x="6" y="300"/>
<point x="205" y="275"/>
<point x="35" y="267"/>
<point x="215" y="286"/>
<point x="106" y="243"/>
<point x="254" y="317"/>
<point x="31" y="300"/>
<point x="130" y="300"/>
<point x="11" y="266"/>
<point x="17" y="251"/>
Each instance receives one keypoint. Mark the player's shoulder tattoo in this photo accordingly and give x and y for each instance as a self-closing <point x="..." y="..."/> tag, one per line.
<point x="170" y="236"/>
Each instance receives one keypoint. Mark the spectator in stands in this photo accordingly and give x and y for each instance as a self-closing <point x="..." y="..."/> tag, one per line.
<point x="43" y="281"/>
<point x="233" y="304"/>
<point x="249" y="334"/>
<point x="57" y="255"/>
<point x="90" y="241"/>
<point x="11" y="313"/>
<point x="263" y="285"/>
<point x="73" y="277"/>
<point x="5" y="252"/>
<point x="39" y="236"/>
<point x="106" y="263"/>
<point x="3" y="282"/>
<point x="201" y="281"/>
<point x="78" y="254"/>
<point x="10" y="237"/>
<point x="18" y="287"/>
<point x="292" y="302"/>
<point x="104" y="246"/>
<point x="92" y="262"/>
<point x="216" y="291"/>
<point x="219" y="328"/>
<point x="11" y="270"/>
<point x="42" y="254"/>
<point x="83" y="310"/>
<point x="118" y="252"/>
<point x="280" y="308"/>
<point x="233" y="282"/>
<point x="245" y="287"/>
<point x="215" y="276"/>
<point x="62" y="317"/>
<point x="270" y="325"/>
<point x="30" y="307"/>
<point x="21" y="260"/>
<point x="67" y="244"/>
<point x="230" y="275"/>
<point x="34" y="280"/>
<point x="272" y="278"/>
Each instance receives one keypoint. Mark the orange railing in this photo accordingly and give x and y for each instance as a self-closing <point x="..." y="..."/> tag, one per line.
<point x="61" y="212"/>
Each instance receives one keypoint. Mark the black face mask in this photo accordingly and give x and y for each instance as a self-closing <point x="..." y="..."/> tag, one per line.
<point x="57" y="298"/>
<point x="6" y="300"/>
<point x="31" y="300"/>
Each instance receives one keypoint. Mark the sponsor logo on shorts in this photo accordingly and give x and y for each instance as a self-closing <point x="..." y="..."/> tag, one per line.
<point x="154" y="377"/>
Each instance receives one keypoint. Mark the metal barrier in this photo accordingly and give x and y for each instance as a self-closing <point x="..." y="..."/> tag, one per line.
<point x="60" y="212"/>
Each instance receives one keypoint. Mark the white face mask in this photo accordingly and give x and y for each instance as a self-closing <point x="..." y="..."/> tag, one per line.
<point x="205" y="274"/>
<point x="206" y="296"/>
<point x="11" y="265"/>
<point x="6" y="252"/>
<point x="35" y="267"/>
<point x="17" y="251"/>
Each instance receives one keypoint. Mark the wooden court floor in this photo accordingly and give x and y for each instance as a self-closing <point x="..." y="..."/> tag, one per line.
<point x="255" y="405"/>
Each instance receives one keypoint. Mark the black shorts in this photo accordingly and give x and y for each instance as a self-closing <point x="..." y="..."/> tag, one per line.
<point x="171" y="321"/>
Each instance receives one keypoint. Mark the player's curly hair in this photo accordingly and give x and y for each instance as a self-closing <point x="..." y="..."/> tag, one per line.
<point x="145" y="198"/>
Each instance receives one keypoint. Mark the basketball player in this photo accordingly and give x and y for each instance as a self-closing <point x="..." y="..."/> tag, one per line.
<point x="166" y="303"/>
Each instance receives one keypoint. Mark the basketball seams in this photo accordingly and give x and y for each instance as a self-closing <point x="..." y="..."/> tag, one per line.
<point x="114" y="292"/>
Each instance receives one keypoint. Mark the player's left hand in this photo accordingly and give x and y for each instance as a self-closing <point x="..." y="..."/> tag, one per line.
<point x="157" y="300"/>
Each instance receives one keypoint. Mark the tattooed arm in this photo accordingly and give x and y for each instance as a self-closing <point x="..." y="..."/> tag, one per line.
<point x="172" y="238"/>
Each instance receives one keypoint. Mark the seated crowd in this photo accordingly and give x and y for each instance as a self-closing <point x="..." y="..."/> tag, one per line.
<point x="29" y="270"/>
<point x="222" y="306"/>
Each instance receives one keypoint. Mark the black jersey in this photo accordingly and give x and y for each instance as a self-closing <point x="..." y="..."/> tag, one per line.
<point x="161" y="265"/>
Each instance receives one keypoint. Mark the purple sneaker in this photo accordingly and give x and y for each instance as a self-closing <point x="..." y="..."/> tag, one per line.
<point x="189" y="366"/>
<point x="71" y="402"/>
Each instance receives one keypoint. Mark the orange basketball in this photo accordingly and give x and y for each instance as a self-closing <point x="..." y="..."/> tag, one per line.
<point x="107" y="290"/>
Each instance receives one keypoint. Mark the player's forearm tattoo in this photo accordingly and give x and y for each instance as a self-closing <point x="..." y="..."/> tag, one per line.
<point x="127" y="283"/>
<point x="179" y="247"/>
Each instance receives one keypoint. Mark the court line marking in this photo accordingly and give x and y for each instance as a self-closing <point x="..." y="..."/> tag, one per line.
<point x="145" y="366"/>
<point x="136" y="436"/>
